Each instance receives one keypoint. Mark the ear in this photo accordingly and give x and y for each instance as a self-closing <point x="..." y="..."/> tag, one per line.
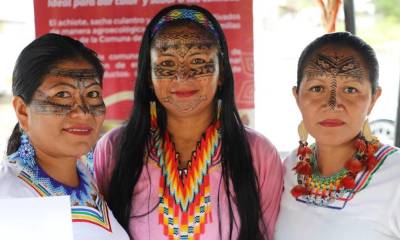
<point x="295" y="94"/>
<point x="375" y="97"/>
<point x="21" y="110"/>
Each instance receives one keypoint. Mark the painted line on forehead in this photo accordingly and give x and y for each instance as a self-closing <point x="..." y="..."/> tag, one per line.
<point x="79" y="74"/>
<point x="334" y="65"/>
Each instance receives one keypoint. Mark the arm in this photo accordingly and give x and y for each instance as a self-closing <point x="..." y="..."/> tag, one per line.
<point x="269" y="170"/>
<point x="104" y="159"/>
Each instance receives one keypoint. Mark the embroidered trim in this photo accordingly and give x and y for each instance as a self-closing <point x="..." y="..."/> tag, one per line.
<point x="86" y="204"/>
<point x="362" y="180"/>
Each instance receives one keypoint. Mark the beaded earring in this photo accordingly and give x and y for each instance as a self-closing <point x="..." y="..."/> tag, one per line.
<point x="153" y="115"/>
<point x="26" y="152"/>
<point x="90" y="161"/>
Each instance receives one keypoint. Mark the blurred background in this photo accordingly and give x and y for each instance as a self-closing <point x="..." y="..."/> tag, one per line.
<point x="282" y="28"/>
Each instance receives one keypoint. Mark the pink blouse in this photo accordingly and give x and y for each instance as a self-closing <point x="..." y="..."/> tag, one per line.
<point x="267" y="165"/>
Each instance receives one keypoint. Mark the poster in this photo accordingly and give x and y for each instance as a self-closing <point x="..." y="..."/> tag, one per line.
<point x="114" y="28"/>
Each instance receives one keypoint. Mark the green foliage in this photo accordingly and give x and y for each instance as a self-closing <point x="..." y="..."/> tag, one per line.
<point x="390" y="9"/>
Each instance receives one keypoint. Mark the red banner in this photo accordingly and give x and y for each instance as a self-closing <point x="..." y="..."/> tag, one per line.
<point x="114" y="28"/>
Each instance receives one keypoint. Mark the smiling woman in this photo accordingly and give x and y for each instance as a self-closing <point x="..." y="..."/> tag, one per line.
<point x="57" y="88"/>
<point x="184" y="166"/>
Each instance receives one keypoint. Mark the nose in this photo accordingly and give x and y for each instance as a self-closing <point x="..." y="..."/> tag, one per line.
<point x="80" y="107"/>
<point x="333" y="101"/>
<point x="182" y="74"/>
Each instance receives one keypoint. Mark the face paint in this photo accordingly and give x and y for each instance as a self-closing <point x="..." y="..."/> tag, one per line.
<point x="78" y="88"/>
<point x="333" y="67"/>
<point x="192" y="56"/>
<point x="78" y="74"/>
<point x="183" y="61"/>
<point x="185" y="106"/>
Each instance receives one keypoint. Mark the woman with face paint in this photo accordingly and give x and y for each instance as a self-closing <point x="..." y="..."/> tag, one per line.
<point x="57" y="88"/>
<point x="346" y="184"/>
<point x="184" y="166"/>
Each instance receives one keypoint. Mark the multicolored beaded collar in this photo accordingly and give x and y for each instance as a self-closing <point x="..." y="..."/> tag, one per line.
<point x="86" y="203"/>
<point x="185" y="201"/>
<point x="323" y="191"/>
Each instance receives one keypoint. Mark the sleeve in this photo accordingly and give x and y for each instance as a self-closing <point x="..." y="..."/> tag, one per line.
<point x="11" y="186"/>
<point x="393" y="207"/>
<point x="269" y="170"/>
<point x="104" y="160"/>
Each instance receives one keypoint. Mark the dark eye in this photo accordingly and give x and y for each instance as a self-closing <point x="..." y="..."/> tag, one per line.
<point x="316" y="89"/>
<point x="350" y="90"/>
<point x="198" y="61"/>
<point x="93" y="94"/>
<point x="63" y="94"/>
<point x="167" y="63"/>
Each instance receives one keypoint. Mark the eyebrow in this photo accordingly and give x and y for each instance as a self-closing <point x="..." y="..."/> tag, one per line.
<point x="167" y="54"/>
<point x="71" y="85"/>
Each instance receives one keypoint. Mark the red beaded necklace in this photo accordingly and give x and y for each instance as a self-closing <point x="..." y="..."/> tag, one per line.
<point x="328" y="189"/>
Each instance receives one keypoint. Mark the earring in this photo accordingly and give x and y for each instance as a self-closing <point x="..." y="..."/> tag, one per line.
<point x="90" y="161"/>
<point x="303" y="133"/>
<point x="366" y="131"/>
<point x="153" y="115"/>
<point x="219" y="108"/>
<point x="26" y="151"/>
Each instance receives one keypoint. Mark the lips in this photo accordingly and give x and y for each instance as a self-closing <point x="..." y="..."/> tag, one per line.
<point x="184" y="93"/>
<point x="79" y="130"/>
<point x="331" y="123"/>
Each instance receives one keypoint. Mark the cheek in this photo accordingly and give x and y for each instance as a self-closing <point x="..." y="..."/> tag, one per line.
<point x="161" y="86"/>
<point x="308" y="105"/>
<point x="208" y="83"/>
<point x="99" y="121"/>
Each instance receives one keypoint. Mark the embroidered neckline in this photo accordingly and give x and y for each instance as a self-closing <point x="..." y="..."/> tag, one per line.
<point x="86" y="204"/>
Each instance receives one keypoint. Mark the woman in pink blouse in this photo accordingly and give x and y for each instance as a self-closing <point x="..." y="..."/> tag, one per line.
<point x="184" y="166"/>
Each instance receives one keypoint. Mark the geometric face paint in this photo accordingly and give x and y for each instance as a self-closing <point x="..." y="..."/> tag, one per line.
<point x="333" y="67"/>
<point x="72" y="89"/>
<point x="186" y="58"/>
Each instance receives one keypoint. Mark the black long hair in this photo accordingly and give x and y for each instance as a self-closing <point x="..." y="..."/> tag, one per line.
<point x="342" y="39"/>
<point x="34" y="63"/>
<point x="237" y="167"/>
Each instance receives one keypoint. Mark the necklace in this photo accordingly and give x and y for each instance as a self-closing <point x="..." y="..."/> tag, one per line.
<point x="185" y="202"/>
<point x="86" y="203"/>
<point x="322" y="191"/>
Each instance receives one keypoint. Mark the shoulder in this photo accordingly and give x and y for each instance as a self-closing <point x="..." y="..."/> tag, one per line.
<point x="388" y="159"/>
<point x="257" y="140"/>
<point x="264" y="153"/>
<point x="290" y="160"/>
<point x="11" y="185"/>
<point x="111" y="137"/>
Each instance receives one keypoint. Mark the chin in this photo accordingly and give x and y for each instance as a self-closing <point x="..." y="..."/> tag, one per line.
<point x="332" y="140"/>
<point x="80" y="149"/>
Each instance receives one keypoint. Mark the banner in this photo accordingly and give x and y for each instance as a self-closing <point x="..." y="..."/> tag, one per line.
<point x="114" y="29"/>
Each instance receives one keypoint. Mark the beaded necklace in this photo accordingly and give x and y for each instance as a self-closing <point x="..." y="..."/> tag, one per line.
<point x="185" y="201"/>
<point x="86" y="203"/>
<point x="322" y="191"/>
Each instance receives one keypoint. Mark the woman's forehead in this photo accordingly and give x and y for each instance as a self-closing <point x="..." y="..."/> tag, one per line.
<point x="184" y="33"/>
<point x="336" y="61"/>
